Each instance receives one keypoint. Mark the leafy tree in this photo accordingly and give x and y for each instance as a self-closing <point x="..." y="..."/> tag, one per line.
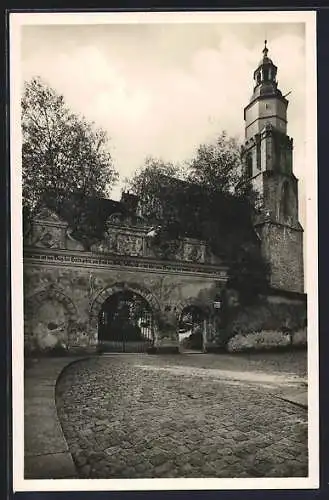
<point x="61" y="151"/>
<point x="85" y="215"/>
<point x="217" y="165"/>
<point x="153" y="183"/>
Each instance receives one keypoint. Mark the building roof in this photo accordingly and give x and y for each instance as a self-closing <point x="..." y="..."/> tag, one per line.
<point x="91" y="211"/>
<point x="87" y="215"/>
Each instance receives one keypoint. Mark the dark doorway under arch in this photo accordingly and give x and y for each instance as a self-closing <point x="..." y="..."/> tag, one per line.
<point x="126" y="323"/>
<point x="191" y="329"/>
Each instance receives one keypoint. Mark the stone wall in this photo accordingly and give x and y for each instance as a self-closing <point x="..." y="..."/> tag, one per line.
<point x="272" y="195"/>
<point x="62" y="301"/>
<point x="62" y="304"/>
<point x="120" y="237"/>
<point x="282" y="246"/>
<point x="66" y="286"/>
<point x="280" y="231"/>
<point x="274" y="312"/>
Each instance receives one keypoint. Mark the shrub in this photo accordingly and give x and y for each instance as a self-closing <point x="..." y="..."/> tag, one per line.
<point x="263" y="340"/>
<point x="299" y="338"/>
<point x="30" y="345"/>
<point x="28" y="362"/>
<point x="29" y="351"/>
<point x="265" y="317"/>
<point x="194" y="341"/>
<point x="100" y="348"/>
<point x="58" y="350"/>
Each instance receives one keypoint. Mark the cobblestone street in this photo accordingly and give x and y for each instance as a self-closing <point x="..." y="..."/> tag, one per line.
<point x="194" y="415"/>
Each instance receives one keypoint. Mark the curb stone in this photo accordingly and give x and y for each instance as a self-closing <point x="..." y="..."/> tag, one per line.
<point x="46" y="453"/>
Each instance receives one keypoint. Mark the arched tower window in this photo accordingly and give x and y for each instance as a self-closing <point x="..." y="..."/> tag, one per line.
<point x="286" y="201"/>
<point x="249" y="165"/>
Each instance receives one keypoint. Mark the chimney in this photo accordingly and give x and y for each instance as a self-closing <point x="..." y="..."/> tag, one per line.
<point x="130" y="201"/>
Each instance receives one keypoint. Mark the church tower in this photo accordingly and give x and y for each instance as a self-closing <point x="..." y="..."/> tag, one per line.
<point x="267" y="155"/>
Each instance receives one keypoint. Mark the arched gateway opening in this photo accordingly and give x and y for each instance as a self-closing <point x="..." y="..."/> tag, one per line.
<point x="126" y="323"/>
<point x="191" y="329"/>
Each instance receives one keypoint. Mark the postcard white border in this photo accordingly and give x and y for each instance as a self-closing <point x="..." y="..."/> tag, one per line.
<point x="16" y="21"/>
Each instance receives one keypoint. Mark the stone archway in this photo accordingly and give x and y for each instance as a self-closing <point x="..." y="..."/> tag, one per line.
<point x="196" y="336"/>
<point x="129" y="289"/>
<point x="48" y="316"/>
<point x="191" y="302"/>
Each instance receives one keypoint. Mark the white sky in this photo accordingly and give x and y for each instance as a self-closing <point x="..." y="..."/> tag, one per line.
<point x="162" y="89"/>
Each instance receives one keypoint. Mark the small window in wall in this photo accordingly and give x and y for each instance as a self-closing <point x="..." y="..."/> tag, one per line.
<point x="249" y="165"/>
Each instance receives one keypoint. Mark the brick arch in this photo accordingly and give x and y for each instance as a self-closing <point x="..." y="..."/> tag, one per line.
<point x="51" y="293"/>
<point x="120" y="287"/>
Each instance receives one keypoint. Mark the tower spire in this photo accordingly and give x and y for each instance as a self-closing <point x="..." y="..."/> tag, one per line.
<point x="265" y="76"/>
<point x="268" y="153"/>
